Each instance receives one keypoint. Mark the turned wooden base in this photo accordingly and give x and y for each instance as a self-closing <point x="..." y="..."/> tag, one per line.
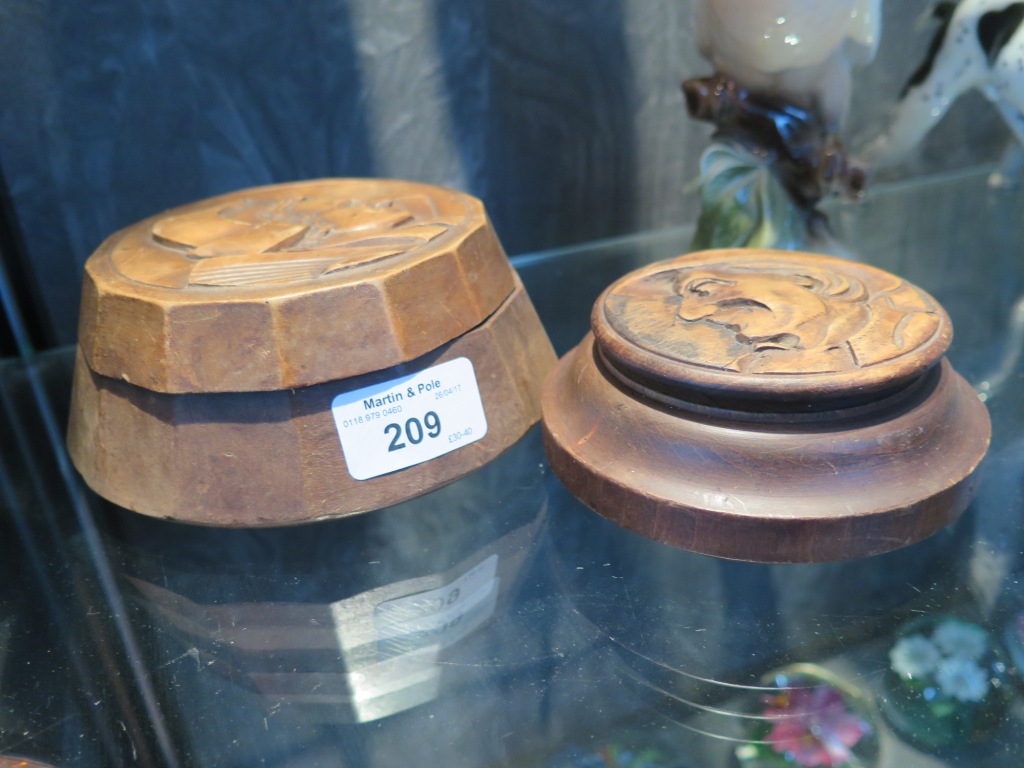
<point x="676" y="421"/>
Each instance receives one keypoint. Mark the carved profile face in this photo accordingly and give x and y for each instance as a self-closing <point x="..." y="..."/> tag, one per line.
<point x="792" y="313"/>
<point x="774" y="309"/>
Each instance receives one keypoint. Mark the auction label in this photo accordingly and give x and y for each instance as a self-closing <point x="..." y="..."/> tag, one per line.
<point x="407" y="421"/>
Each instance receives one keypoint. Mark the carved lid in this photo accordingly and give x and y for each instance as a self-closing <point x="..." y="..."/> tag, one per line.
<point x="290" y="285"/>
<point x="768" y="406"/>
<point x="777" y="330"/>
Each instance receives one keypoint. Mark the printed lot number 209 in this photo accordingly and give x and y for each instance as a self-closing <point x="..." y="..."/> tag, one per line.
<point x="414" y="430"/>
<point x="406" y="421"/>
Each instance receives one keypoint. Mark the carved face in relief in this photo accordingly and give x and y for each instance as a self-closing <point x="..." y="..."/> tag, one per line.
<point x="774" y="309"/>
<point x="788" y="314"/>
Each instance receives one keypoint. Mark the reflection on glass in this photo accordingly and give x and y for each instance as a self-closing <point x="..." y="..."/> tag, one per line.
<point x="632" y="749"/>
<point x="695" y="644"/>
<point x="270" y="632"/>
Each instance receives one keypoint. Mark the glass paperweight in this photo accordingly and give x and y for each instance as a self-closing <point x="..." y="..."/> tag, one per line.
<point x="807" y="716"/>
<point x="946" y="683"/>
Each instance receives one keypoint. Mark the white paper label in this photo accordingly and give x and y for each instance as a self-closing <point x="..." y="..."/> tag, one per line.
<point x="407" y="421"/>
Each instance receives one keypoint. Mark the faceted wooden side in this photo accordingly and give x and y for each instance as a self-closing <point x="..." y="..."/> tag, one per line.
<point x="290" y="285"/>
<point x="274" y="458"/>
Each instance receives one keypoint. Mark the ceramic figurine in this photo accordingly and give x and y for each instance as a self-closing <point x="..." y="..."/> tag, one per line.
<point x="800" y="50"/>
<point x="979" y="44"/>
<point x="946" y="685"/>
<point x="777" y="98"/>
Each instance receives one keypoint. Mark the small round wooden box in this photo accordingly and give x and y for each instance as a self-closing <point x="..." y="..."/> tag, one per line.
<point x="767" y="406"/>
<point x="301" y="351"/>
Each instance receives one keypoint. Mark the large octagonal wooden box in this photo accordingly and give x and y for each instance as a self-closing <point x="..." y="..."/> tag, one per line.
<point x="301" y="351"/>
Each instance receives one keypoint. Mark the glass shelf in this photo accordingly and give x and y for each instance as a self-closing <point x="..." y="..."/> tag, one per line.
<point x="498" y="622"/>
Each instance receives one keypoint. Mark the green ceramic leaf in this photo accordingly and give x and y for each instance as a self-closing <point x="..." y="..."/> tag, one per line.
<point x="743" y="204"/>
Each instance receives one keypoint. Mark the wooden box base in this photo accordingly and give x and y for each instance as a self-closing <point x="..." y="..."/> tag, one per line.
<point x="274" y="458"/>
<point x="767" y="406"/>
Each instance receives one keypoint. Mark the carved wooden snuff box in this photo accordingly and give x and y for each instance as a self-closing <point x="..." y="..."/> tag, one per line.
<point x="767" y="406"/>
<point x="301" y="351"/>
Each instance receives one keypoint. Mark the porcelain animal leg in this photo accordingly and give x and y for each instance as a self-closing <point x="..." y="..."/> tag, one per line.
<point x="1007" y="174"/>
<point x="1007" y="95"/>
<point x="980" y="45"/>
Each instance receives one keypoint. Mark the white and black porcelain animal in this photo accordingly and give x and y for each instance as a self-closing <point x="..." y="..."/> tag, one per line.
<point x="979" y="45"/>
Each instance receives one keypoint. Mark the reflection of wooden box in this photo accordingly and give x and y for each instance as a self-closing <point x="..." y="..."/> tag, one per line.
<point x="301" y="351"/>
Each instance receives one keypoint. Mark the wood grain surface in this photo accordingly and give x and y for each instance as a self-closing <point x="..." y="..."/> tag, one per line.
<point x="274" y="458"/>
<point x="741" y="324"/>
<point x="215" y="337"/>
<point x="664" y="418"/>
<point x="290" y="285"/>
